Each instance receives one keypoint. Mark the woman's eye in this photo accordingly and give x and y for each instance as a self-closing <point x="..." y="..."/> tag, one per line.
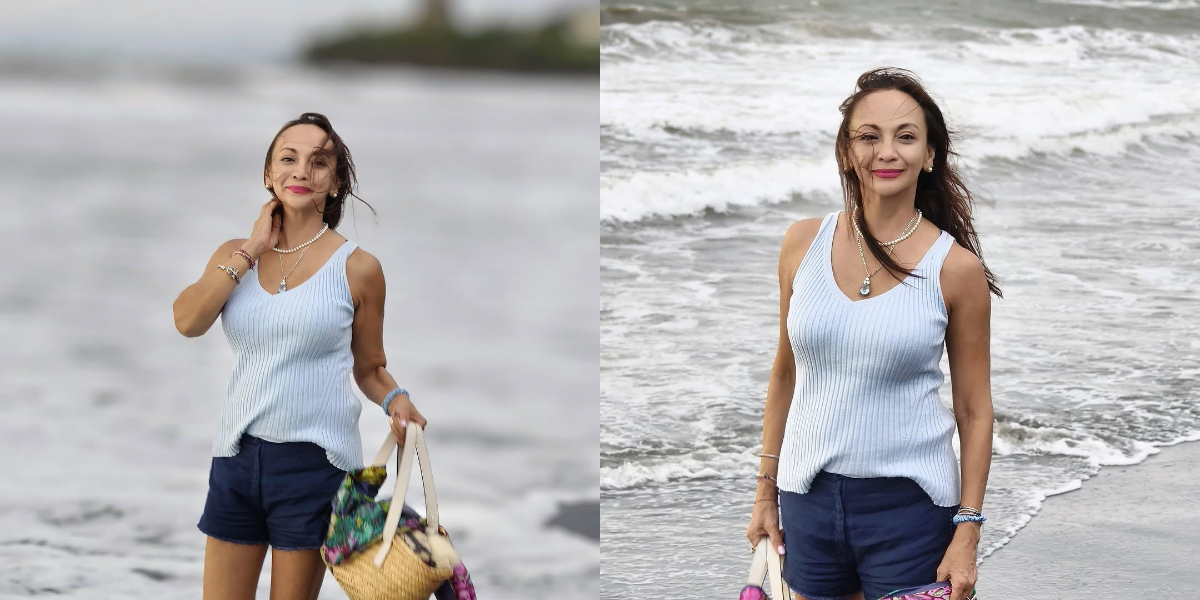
<point x="867" y="137"/>
<point x="320" y="162"/>
<point x="285" y="158"/>
<point x="908" y="136"/>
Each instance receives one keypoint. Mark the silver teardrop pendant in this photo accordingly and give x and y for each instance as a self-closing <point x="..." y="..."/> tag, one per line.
<point x="282" y="286"/>
<point x="865" y="290"/>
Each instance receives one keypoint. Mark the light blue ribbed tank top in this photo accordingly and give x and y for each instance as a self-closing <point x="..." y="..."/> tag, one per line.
<point x="291" y="378"/>
<point x="867" y="377"/>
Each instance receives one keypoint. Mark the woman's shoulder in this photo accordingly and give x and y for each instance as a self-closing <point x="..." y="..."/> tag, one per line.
<point x="962" y="264"/>
<point x="800" y="236"/>
<point x="803" y="230"/>
<point x="963" y="277"/>
<point x="363" y="263"/>
<point x="364" y="273"/>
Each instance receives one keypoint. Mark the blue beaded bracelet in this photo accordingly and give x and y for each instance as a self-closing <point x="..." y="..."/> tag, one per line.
<point x="388" y="399"/>
<point x="968" y="518"/>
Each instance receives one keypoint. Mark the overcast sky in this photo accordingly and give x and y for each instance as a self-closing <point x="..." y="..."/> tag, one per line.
<point x="220" y="30"/>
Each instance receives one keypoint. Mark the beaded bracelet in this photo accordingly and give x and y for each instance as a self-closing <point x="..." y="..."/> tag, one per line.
<point x="766" y="476"/>
<point x="246" y="256"/>
<point x="968" y="518"/>
<point x="392" y="394"/>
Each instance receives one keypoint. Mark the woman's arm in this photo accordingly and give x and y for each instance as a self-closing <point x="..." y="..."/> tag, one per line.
<point x="198" y="305"/>
<point x="968" y="336"/>
<point x="764" y="518"/>
<point x="783" y="371"/>
<point x="368" y="290"/>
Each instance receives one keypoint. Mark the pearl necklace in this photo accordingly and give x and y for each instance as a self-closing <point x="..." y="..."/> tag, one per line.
<point x="305" y="244"/>
<point x="865" y="289"/>
<point x="279" y="253"/>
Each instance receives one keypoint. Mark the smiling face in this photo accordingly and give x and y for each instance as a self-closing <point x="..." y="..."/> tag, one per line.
<point x="888" y="142"/>
<point x="298" y="171"/>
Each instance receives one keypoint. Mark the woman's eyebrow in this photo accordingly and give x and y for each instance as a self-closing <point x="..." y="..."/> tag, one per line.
<point x="317" y="152"/>
<point x="900" y="126"/>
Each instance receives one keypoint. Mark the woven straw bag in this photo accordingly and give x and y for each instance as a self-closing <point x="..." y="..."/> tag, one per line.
<point x="766" y="563"/>
<point x="408" y="562"/>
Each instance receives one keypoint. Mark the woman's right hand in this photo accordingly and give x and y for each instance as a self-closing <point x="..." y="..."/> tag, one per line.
<point x="764" y="522"/>
<point x="265" y="234"/>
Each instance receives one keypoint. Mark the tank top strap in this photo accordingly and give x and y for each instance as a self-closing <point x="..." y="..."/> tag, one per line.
<point x="347" y="249"/>
<point x="828" y="224"/>
<point x="818" y="250"/>
<point x="939" y="251"/>
<point x="825" y="233"/>
<point x="338" y="268"/>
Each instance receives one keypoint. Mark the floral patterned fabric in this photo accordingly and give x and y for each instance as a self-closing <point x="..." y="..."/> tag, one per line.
<point x="936" y="591"/>
<point x="358" y="520"/>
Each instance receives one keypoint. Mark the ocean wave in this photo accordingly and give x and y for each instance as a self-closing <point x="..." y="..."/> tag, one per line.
<point x="1009" y="438"/>
<point x="637" y="474"/>
<point x="671" y="40"/>
<point x="646" y="195"/>
<point x="685" y="192"/>
<point x="734" y="14"/>
<point x="1014" y="438"/>
<point x="634" y="14"/>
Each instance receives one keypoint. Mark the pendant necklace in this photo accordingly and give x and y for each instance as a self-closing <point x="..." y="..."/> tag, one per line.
<point x="865" y="289"/>
<point x="304" y="248"/>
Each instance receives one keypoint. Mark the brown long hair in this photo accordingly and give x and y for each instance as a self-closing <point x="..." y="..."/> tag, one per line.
<point x="331" y="212"/>
<point x="941" y="196"/>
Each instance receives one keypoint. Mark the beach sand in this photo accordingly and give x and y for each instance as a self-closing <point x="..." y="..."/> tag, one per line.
<point x="1130" y="531"/>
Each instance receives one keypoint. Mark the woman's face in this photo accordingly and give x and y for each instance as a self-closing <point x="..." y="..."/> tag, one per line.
<point x="298" y="172"/>
<point x="888" y="142"/>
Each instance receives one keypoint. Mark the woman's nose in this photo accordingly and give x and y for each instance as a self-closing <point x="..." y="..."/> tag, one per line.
<point x="887" y="151"/>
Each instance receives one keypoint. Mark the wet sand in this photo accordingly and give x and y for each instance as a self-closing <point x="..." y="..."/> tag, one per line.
<point x="1127" y="532"/>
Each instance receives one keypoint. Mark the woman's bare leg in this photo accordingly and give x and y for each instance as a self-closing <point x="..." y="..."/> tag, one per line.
<point x="231" y="570"/>
<point x="296" y="574"/>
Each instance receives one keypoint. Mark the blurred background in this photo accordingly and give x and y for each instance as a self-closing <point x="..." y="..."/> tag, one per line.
<point x="1078" y="123"/>
<point x="133" y="141"/>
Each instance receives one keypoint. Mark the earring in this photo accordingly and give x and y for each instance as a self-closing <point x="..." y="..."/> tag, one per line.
<point x="266" y="186"/>
<point x="334" y="194"/>
<point x="929" y="169"/>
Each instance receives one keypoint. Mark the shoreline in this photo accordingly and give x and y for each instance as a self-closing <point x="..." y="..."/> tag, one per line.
<point x="1129" y="530"/>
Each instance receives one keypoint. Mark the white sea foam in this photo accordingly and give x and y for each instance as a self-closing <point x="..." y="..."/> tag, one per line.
<point x="669" y="194"/>
<point x="1009" y="439"/>
<point x="1059" y="90"/>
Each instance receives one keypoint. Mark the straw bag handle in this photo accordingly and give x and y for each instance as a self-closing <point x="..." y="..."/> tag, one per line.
<point x="766" y="562"/>
<point x="414" y="442"/>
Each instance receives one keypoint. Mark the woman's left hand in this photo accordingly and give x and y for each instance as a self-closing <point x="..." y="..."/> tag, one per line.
<point x="401" y="411"/>
<point x="958" y="566"/>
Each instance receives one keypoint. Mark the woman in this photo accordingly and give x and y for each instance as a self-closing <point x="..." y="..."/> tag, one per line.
<point x="857" y="454"/>
<point x="288" y="431"/>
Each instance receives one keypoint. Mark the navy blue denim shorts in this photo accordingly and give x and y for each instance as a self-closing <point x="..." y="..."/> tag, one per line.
<point x="271" y="493"/>
<point x="876" y="534"/>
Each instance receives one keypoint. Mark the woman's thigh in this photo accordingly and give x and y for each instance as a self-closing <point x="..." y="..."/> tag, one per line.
<point x="296" y="574"/>
<point x="231" y="570"/>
